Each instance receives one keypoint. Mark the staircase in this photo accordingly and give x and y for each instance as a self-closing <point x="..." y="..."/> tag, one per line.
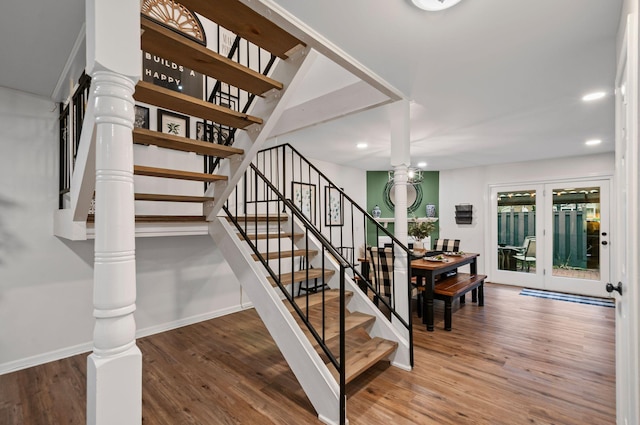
<point x="326" y="327"/>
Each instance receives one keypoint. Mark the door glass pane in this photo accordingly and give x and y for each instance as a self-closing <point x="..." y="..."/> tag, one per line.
<point x="576" y="232"/>
<point x="517" y="230"/>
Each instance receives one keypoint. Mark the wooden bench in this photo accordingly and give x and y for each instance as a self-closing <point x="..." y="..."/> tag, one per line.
<point x="457" y="286"/>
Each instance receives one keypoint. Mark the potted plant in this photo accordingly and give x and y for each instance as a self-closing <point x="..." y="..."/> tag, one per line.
<point x="420" y="231"/>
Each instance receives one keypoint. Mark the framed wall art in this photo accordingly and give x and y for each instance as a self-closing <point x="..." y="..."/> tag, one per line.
<point x="141" y="119"/>
<point x="333" y="207"/>
<point x="304" y="198"/>
<point x="172" y="123"/>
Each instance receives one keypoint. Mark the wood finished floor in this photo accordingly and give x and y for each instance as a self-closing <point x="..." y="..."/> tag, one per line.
<point x="518" y="360"/>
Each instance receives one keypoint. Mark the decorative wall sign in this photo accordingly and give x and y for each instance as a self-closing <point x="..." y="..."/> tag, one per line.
<point x="141" y="119"/>
<point x="170" y="75"/>
<point x="304" y="198"/>
<point x="333" y="207"/>
<point x="163" y="72"/>
<point x="172" y="123"/>
<point x="176" y="17"/>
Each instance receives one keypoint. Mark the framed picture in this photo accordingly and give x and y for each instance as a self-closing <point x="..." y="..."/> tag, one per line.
<point x="304" y="198"/>
<point x="172" y="123"/>
<point x="214" y="133"/>
<point x="141" y="119"/>
<point x="333" y="207"/>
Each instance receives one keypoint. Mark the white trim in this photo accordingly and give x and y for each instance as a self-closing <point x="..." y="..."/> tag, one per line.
<point x="187" y="321"/>
<point x="70" y="60"/>
<point x="50" y="356"/>
<point x="86" y="347"/>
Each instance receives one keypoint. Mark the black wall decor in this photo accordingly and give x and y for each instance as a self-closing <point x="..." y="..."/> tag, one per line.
<point x="464" y="214"/>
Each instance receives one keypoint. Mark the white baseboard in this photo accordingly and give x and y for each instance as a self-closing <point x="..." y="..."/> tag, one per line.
<point x="86" y="347"/>
<point x="39" y="359"/>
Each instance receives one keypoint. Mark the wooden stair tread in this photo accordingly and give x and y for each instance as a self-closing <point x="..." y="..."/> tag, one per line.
<point x="263" y="236"/>
<point x="248" y="24"/>
<point x="286" y="254"/>
<point x="189" y="105"/>
<point x="145" y="136"/>
<point x="352" y="321"/>
<point x="170" y="45"/>
<point x="363" y="357"/>
<point x="141" y="170"/>
<point x="170" y="198"/>
<point x="162" y="219"/>
<point x="316" y="298"/>
<point x="301" y="276"/>
<point x="261" y="218"/>
<point x="457" y="284"/>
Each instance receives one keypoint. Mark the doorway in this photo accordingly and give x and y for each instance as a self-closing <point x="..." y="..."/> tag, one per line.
<point x="552" y="236"/>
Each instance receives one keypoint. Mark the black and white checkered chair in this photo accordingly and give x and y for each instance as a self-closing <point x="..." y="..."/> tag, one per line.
<point x="382" y="269"/>
<point x="447" y="245"/>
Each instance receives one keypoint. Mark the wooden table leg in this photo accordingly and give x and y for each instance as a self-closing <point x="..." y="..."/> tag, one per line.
<point x="427" y="315"/>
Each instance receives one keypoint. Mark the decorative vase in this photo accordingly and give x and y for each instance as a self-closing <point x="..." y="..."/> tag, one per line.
<point x="376" y="212"/>
<point x="431" y="210"/>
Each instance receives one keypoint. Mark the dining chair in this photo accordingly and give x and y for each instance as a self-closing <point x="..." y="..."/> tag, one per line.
<point x="447" y="245"/>
<point x="529" y="254"/>
<point x="382" y="270"/>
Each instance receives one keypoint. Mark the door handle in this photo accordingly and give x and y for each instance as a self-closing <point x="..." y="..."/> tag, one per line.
<point x="611" y="288"/>
<point x="605" y="243"/>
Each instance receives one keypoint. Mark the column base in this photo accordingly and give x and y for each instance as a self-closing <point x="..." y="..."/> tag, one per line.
<point x="114" y="388"/>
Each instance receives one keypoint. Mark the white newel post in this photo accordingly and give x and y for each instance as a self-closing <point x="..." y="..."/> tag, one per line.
<point x="400" y="161"/>
<point x="114" y="369"/>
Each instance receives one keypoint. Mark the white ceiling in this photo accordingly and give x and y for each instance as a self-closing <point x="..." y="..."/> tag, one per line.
<point x="490" y="81"/>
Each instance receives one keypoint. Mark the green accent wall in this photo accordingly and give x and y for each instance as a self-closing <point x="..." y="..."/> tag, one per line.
<point x="376" y="181"/>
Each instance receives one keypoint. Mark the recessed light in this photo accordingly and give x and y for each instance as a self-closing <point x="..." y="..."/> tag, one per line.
<point x="361" y="145"/>
<point x="422" y="164"/>
<point x="434" y="5"/>
<point x="593" y="142"/>
<point x="594" y="96"/>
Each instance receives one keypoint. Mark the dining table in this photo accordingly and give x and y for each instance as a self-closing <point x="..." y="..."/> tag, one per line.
<point x="426" y="270"/>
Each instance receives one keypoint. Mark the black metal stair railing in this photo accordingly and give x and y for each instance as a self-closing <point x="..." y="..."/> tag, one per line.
<point x="350" y="230"/>
<point x="231" y="97"/>
<point x="255" y="204"/>
<point x="71" y="119"/>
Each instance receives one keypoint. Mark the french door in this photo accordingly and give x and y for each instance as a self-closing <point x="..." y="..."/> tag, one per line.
<point x="552" y="236"/>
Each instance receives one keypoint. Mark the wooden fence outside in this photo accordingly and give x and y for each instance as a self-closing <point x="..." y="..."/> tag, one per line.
<point x="569" y="234"/>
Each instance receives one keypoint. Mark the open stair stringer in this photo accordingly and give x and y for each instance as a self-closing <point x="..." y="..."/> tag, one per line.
<point x="291" y="73"/>
<point x="313" y="375"/>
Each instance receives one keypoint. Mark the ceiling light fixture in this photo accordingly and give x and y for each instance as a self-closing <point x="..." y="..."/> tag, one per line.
<point x="414" y="176"/>
<point x="434" y="5"/>
<point x="361" y="145"/>
<point x="422" y="164"/>
<point x="593" y="142"/>
<point x="593" y="96"/>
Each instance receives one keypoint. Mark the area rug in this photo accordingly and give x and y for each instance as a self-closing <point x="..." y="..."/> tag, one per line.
<point x="603" y="302"/>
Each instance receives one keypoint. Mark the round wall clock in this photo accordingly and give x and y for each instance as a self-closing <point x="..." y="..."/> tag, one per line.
<point x="435" y="5"/>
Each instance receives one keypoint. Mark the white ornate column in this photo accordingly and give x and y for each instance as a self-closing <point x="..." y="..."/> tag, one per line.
<point x="114" y="369"/>
<point x="400" y="161"/>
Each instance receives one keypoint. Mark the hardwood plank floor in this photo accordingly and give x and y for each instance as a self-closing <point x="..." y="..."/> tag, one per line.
<point x="518" y="360"/>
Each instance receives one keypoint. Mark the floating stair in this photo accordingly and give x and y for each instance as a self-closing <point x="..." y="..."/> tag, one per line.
<point x="171" y="198"/>
<point x="169" y="141"/>
<point x="140" y="170"/>
<point x="287" y="253"/>
<point x="166" y="43"/>
<point x="165" y="98"/>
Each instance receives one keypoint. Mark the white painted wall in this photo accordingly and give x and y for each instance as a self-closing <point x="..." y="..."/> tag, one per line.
<point x="46" y="284"/>
<point x="471" y="186"/>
